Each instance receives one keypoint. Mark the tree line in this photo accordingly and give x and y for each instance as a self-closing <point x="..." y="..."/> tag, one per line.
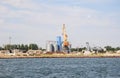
<point x="108" y="48"/>
<point x="33" y="46"/>
<point x="20" y="47"/>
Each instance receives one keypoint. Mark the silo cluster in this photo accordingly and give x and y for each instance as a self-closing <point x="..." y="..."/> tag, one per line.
<point x="54" y="46"/>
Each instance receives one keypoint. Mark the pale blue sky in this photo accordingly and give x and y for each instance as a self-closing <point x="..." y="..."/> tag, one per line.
<point x="36" y="21"/>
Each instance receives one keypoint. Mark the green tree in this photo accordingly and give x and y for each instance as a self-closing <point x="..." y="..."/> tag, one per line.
<point x="33" y="46"/>
<point x="7" y="47"/>
<point x="18" y="46"/>
<point x="15" y="46"/>
<point x="117" y="48"/>
<point x="26" y="47"/>
<point x="109" y="48"/>
<point x="73" y="49"/>
<point x="1" y="48"/>
<point x="22" y="47"/>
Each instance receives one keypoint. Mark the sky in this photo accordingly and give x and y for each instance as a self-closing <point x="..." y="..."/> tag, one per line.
<point x="38" y="21"/>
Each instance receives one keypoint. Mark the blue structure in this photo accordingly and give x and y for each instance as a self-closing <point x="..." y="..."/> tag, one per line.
<point x="59" y="43"/>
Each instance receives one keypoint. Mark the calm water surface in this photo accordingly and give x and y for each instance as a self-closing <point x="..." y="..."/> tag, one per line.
<point x="60" y="68"/>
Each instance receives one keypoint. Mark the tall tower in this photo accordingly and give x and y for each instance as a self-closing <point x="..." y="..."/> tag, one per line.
<point x="65" y="39"/>
<point x="10" y="42"/>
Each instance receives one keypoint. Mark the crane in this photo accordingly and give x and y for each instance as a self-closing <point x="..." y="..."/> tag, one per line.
<point x="65" y="39"/>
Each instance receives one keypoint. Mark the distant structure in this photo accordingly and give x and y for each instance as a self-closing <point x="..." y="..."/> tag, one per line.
<point x="66" y="45"/>
<point x="50" y="46"/>
<point x="88" y="47"/>
<point x="59" y="45"/>
<point x="95" y="49"/>
<point x="10" y="42"/>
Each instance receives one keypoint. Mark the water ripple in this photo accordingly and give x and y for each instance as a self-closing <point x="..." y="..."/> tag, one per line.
<point x="60" y="68"/>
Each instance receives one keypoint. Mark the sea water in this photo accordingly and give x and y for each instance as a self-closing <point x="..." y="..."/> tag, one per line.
<point x="60" y="68"/>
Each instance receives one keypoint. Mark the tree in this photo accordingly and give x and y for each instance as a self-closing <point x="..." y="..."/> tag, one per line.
<point x="33" y="46"/>
<point x="18" y="46"/>
<point x="14" y="46"/>
<point x="7" y="47"/>
<point x="22" y="47"/>
<point x="1" y="48"/>
<point x="117" y="48"/>
<point x="26" y="47"/>
<point x="109" y="48"/>
<point x="73" y="49"/>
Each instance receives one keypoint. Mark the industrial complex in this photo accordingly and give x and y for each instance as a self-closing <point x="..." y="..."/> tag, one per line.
<point x="60" y="47"/>
<point x="61" y="44"/>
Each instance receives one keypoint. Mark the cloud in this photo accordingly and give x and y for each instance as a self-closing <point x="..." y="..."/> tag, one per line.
<point x="98" y="1"/>
<point x="51" y="14"/>
<point x="3" y="8"/>
<point x="1" y="21"/>
<point x="69" y="15"/>
<point x="19" y="4"/>
<point x="23" y="18"/>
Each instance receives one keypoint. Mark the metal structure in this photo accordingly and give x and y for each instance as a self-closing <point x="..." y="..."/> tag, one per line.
<point x="55" y="45"/>
<point x="59" y="43"/>
<point x="50" y="46"/>
<point x="65" y="40"/>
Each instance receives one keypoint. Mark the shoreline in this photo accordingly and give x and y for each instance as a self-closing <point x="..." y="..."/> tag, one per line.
<point x="39" y="54"/>
<point x="20" y="57"/>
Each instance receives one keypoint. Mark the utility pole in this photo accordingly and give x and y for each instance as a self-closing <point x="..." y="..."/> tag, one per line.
<point x="10" y="42"/>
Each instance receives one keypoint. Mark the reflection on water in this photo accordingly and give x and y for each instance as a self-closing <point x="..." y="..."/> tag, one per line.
<point x="60" y="68"/>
